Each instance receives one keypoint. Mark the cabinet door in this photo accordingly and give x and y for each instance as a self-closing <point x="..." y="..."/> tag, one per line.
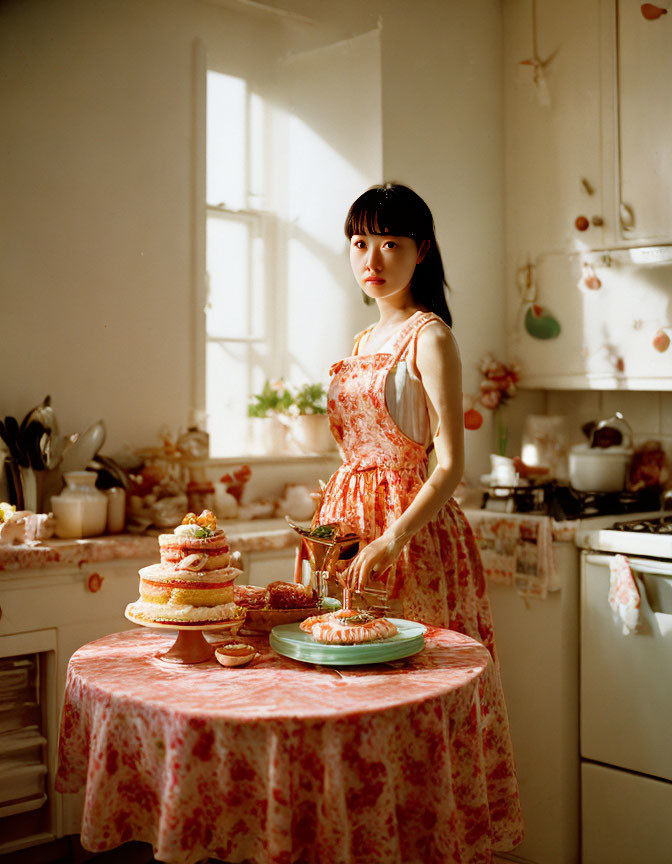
<point x="644" y="125"/>
<point x="549" y="151"/>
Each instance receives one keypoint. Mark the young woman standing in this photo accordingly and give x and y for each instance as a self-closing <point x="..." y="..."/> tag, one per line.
<point x="397" y="396"/>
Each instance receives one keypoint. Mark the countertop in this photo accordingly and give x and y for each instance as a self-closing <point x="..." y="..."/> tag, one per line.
<point x="257" y="535"/>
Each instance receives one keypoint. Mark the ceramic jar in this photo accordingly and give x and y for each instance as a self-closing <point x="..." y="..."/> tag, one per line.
<point x="116" y="509"/>
<point x="80" y="509"/>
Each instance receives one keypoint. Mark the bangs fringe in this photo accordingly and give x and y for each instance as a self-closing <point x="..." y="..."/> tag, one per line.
<point x="378" y="212"/>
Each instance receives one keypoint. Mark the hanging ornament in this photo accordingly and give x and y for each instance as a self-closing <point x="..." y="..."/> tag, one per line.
<point x="538" y="65"/>
<point x="473" y="419"/>
<point x="589" y="280"/>
<point x="540" y="324"/>
<point x="651" y="12"/>
<point x="661" y="341"/>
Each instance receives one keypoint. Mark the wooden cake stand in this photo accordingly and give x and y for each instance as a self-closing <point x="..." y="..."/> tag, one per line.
<point x="191" y="646"/>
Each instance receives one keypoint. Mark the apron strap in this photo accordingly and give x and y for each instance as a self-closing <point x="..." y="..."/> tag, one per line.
<point x="407" y="341"/>
<point x="359" y="337"/>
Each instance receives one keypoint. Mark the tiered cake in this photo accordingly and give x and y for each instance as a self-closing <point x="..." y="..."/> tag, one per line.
<point x="193" y="584"/>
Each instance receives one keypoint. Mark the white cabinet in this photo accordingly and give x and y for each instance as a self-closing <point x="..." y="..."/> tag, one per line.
<point x="82" y="603"/>
<point x="72" y="606"/>
<point x="601" y="151"/>
<point x="549" y="151"/>
<point x="643" y="104"/>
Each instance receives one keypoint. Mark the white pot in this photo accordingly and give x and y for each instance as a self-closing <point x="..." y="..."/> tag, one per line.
<point x="594" y="469"/>
<point x="312" y="433"/>
<point x="270" y="435"/>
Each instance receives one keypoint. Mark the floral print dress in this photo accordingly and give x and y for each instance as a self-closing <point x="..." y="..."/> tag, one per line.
<point x="438" y="577"/>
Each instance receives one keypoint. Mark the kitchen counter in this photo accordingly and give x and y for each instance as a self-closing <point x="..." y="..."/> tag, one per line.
<point x="257" y="535"/>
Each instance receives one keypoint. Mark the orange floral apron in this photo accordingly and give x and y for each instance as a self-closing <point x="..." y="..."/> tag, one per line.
<point x="438" y="577"/>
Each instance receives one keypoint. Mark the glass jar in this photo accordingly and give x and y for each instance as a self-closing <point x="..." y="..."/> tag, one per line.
<point x="80" y="509"/>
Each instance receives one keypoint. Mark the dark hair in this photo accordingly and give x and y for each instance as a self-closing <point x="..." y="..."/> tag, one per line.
<point x="397" y="210"/>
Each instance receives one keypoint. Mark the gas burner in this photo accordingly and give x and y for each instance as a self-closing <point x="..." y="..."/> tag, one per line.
<point x="563" y="502"/>
<point x="660" y="525"/>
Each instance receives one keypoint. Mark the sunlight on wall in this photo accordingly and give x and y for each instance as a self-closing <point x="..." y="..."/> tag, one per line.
<point x="281" y="298"/>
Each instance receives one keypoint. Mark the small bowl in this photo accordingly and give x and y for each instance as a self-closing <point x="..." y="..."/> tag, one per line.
<point x="234" y="654"/>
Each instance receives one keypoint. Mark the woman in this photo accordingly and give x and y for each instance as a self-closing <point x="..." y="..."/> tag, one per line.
<point x="395" y="398"/>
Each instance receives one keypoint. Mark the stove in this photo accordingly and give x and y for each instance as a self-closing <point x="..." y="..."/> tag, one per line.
<point x="647" y="534"/>
<point x="561" y="501"/>
<point x="655" y="525"/>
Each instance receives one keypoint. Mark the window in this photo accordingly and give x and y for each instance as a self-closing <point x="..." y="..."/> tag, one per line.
<point x="240" y="349"/>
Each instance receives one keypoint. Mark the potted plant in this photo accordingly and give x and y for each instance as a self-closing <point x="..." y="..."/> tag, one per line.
<point x="309" y="423"/>
<point x="267" y="409"/>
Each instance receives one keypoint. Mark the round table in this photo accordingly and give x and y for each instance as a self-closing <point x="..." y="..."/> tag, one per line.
<point x="282" y="762"/>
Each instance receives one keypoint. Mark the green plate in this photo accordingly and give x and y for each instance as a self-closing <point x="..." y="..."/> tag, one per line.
<point x="291" y="641"/>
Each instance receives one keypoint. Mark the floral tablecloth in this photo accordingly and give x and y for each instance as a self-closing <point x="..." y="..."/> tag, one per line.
<point x="284" y="762"/>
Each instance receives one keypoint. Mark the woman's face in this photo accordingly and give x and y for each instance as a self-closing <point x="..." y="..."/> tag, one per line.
<point x="383" y="265"/>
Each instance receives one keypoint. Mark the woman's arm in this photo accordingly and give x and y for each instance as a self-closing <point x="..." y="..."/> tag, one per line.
<point x="438" y="363"/>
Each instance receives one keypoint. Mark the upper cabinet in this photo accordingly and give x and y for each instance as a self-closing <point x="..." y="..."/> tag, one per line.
<point x="588" y="203"/>
<point x="643" y="107"/>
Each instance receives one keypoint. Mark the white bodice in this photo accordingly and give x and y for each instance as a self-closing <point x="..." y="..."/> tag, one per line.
<point x="405" y="398"/>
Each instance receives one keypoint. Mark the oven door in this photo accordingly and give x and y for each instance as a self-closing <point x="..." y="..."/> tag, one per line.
<point x="626" y="681"/>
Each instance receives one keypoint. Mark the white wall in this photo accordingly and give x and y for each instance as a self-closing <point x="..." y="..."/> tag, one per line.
<point x="443" y="136"/>
<point x="96" y="221"/>
<point x="334" y="153"/>
<point x="96" y="182"/>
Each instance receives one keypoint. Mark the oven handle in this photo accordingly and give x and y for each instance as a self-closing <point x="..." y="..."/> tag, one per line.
<point x="641" y="565"/>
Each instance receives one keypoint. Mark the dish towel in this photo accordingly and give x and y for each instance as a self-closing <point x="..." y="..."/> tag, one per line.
<point x="517" y="552"/>
<point x="624" y="598"/>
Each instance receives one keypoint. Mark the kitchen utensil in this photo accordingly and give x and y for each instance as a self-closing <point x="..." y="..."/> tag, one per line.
<point x="616" y="422"/>
<point x="42" y="416"/>
<point x="32" y="438"/>
<point x="12" y="437"/>
<point x="80" y="449"/>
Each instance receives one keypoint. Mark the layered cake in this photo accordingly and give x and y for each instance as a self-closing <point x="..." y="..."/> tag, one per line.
<point x="193" y="584"/>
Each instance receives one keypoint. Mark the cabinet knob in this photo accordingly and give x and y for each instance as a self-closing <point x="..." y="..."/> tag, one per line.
<point x="94" y="582"/>
<point x="581" y="223"/>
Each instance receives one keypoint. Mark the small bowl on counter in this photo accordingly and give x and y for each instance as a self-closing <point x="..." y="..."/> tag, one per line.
<point x="234" y="654"/>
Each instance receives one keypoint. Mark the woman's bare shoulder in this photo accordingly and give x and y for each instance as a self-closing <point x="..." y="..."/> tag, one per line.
<point x="435" y="339"/>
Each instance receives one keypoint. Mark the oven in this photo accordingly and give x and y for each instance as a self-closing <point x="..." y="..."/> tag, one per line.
<point x="626" y="699"/>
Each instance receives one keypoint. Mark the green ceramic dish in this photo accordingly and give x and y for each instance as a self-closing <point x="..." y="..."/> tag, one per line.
<point x="290" y="641"/>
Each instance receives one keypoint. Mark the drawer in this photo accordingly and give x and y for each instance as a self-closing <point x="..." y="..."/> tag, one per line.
<point x="626" y="817"/>
<point x="90" y="593"/>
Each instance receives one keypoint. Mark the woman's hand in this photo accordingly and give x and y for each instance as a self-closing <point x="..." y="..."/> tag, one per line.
<point x="372" y="560"/>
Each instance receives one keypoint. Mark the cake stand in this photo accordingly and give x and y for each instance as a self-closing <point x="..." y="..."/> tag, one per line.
<point x="191" y="646"/>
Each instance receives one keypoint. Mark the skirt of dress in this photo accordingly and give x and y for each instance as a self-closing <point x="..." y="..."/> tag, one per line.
<point x="439" y="579"/>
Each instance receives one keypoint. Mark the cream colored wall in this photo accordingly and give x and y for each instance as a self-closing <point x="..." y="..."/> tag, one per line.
<point x="334" y="153"/>
<point x="96" y="180"/>
<point x="443" y="136"/>
<point x="95" y="173"/>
